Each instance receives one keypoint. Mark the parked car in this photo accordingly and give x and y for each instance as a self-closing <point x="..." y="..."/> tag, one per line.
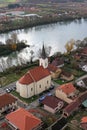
<point x="7" y="90"/>
<point x="51" y="87"/>
<point x="43" y="97"/>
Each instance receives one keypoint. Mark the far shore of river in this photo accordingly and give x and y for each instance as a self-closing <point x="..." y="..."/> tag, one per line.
<point x="43" y="21"/>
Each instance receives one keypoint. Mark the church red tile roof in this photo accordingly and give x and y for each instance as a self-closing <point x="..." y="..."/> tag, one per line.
<point x="6" y="99"/>
<point x="34" y="74"/>
<point x="23" y="120"/>
<point x="26" y="79"/>
<point x="39" y="73"/>
<point x="67" y="88"/>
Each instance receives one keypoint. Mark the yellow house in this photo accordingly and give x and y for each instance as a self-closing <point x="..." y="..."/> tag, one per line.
<point x="55" y="71"/>
<point x="66" y="92"/>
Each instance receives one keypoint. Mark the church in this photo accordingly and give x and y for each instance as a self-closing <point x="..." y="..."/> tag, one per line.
<point x="36" y="80"/>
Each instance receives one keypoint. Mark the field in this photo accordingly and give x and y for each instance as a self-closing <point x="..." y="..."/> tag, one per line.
<point x="3" y="1"/>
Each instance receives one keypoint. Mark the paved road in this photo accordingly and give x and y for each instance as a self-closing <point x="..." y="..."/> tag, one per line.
<point x="35" y="103"/>
<point x="10" y="85"/>
<point x="81" y="78"/>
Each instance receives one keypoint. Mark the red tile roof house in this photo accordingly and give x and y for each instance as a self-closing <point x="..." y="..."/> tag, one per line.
<point x="55" y="71"/>
<point x="74" y="106"/>
<point x="84" y="123"/>
<point x="67" y="76"/>
<point x="34" y="82"/>
<point x="52" y="104"/>
<point x="84" y="51"/>
<point x="66" y="92"/>
<point x="7" y="102"/>
<point x="58" y="62"/>
<point x="21" y="119"/>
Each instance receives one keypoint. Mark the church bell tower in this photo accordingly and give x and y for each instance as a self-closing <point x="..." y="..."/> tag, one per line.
<point x="43" y="61"/>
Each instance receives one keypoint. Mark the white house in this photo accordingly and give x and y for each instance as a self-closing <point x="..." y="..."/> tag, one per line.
<point x="84" y="68"/>
<point x="82" y="82"/>
<point x="36" y="80"/>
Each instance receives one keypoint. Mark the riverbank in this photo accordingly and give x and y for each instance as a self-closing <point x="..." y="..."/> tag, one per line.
<point x="20" y="24"/>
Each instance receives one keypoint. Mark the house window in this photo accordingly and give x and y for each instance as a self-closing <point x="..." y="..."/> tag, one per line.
<point x="47" y="81"/>
<point x="40" y="86"/>
<point x="31" y="89"/>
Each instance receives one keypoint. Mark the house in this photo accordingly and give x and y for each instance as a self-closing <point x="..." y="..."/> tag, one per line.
<point x="81" y="64"/>
<point x="21" y="119"/>
<point x="66" y="92"/>
<point x="52" y="104"/>
<point x="83" y="123"/>
<point x="84" y="68"/>
<point x="36" y="80"/>
<point x="7" y="102"/>
<point x="74" y="106"/>
<point x="66" y="75"/>
<point x="59" y="62"/>
<point x="82" y="83"/>
<point x="84" y="51"/>
<point x="55" y="71"/>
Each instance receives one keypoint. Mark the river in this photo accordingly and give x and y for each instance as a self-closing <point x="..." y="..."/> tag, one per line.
<point x="55" y="35"/>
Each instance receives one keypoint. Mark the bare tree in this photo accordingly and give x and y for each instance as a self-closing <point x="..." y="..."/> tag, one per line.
<point x="14" y="38"/>
<point x="47" y="51"/>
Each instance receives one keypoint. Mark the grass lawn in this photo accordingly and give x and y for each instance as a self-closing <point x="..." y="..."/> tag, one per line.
<point x="13" y="77"/>
<point x="61" y="81"/>
<point x="28" y="100"/>
<point x="81" y="113"/>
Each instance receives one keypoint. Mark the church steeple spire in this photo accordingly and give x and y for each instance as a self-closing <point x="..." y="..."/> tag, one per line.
<point x="43" y="54"/>
<point x="43" y="61"/>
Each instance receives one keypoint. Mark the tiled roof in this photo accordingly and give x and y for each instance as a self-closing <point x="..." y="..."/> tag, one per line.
<point x="52" y="101"/>
<point x="34" y="74"/>
<point x="67" y="88"/>
<point x="52" y="68"/>
<point x="71" y="107"/>
<point x="39" y="73"/>
<point x="23" y="120"/>
<point x="82" y="97"/>
<point x="26" y="79"/>
<point x="84" y="51"/>
<point x="6" y="99"/>
<point x="76" y="103"/>
<point x="84" y="119"/>
<point x="67" y="74"/>
<point x="57" y="62"/>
